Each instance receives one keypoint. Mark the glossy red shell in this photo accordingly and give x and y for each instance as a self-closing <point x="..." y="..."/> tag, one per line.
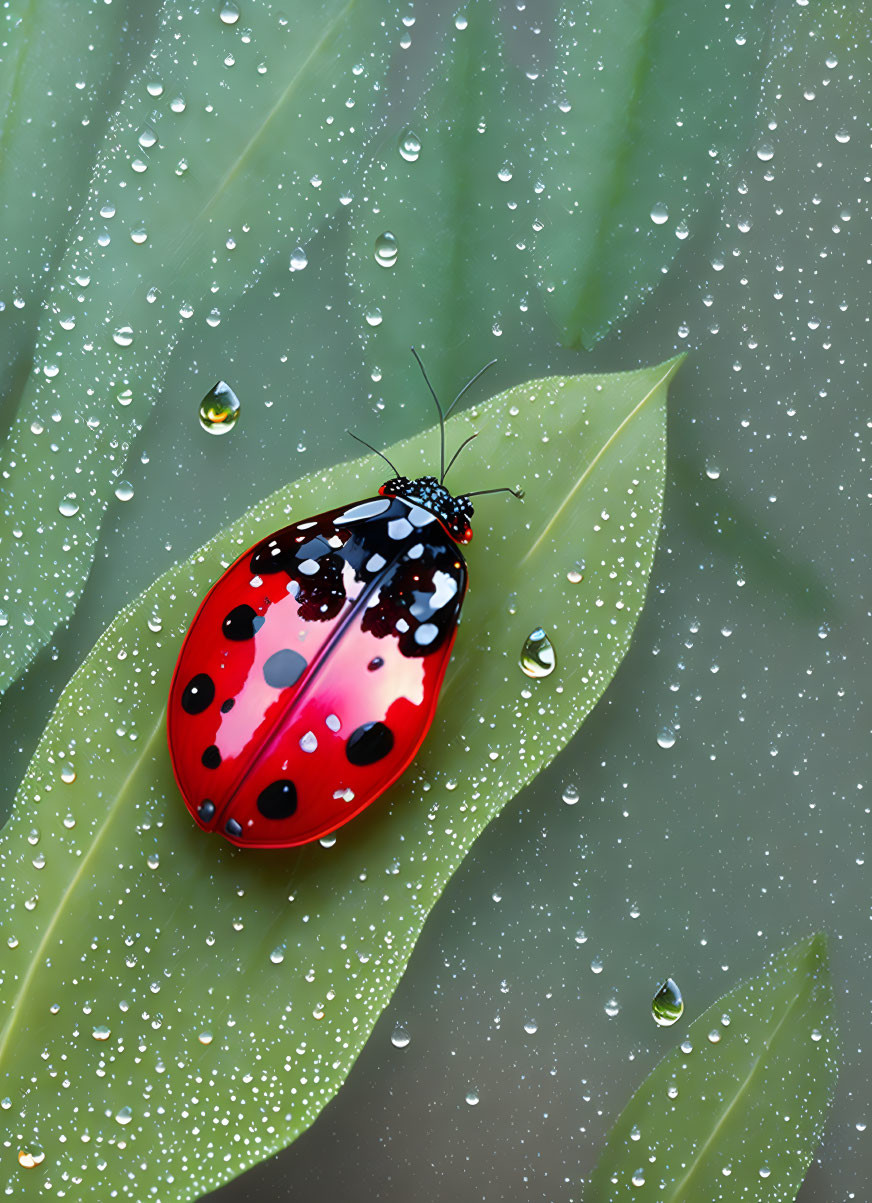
<point x="311" y="671"/>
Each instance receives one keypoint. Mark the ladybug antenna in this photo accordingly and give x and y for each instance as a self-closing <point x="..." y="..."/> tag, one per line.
<point x="441" y="414"/>
<point x="469" y="384"/>
<point x="376" y="450"/>
<point x="519" y="493"/>
<point x="465" y="443"/>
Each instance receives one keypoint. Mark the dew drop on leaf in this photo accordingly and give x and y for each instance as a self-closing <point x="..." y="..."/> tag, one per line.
<point x="472" y="1098"/>
<point x="123" y="336"/>
<point x="386" y="249"/>
<point x="659" y="214"/>
<point x="400" y="1038"/>
<point x="667" y="1005"/>
<point x="124" y="490"/>
<point x="537" y="654"/>
<point x="410" y="145"/>
<point x="219" y="409"/>
<point x="229" y="14"/>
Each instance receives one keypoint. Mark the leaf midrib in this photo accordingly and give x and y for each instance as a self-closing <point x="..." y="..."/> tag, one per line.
<point x="36" y="959"/>
<point x="678" y="1191"/>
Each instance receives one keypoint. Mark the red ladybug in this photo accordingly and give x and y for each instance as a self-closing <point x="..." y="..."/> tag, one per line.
<point x="310" y="674"/>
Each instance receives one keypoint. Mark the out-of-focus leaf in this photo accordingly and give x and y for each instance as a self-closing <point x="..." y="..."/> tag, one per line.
<point x="63" y="64"/>
<point x="737" y="1111"/>
<point x="177" y="1010"/>
<point x="260" y="123"/>
<point x="650" y="98"/>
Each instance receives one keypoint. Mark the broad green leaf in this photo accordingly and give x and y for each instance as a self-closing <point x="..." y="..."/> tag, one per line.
<point x="176" y="1009"/>
<point x="260" y="124"/>
<point x="652" y="98"/>
<point x="737" y="1111"/>
<point x="63" y="67"/>
<point x="516" y="185"/>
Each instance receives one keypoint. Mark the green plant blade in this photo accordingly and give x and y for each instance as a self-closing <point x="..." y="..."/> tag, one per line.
<point x="233" y="164"/>
<point x="672" y="89"/>
<point x="752" y="1095"/>
<point x="176" y="1009"/>
<point x="61" y="75"/>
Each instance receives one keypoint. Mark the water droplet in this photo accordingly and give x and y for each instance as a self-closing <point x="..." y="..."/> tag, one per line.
<point x="124" y="1116"/>
<point x="666" y="737"/>
<point x="400" y="1037"/>
<point x="575" y="576"/>
<point x="205" y="1037"/>
<point x="386" y="249"/>
<point x="581" y="936"/>
<point x="843" y="136"/>
<point x="101" y="1032"/>
<point x="219" y="409"/>
<point x="68" y="774"/>
<point x="638" y="1178"/>
<point x="69" y="507"/>
<point x="28" y="1159"/>
<point x="152" y="860"/>
<point x="504" y="174"/>
<point x="178" y="105"/>
<point x="278" y="954"/>
<point x="537" y="654"/>
<point x="107" y="211"/>
<point x="373" y="316"/>
<point x="147" y="137"/>
<point x="472" y="1098"/>
<point x="570" y="795"/>
<point x="299" y="259"/>
<point x="123" y="336"/>
<point x="229" y="14"/>
<point x="410" y="145"/>
<point x="124" y="490"/>
<point x="612" y="1008"/>
<point x="531" y="1027"/>
<point x="460" y="22"/>
<point x="596" y="965"/>
<point x="181" y="166"/>
<point x="712" y="471"/>
<point x="659" y="214"/>
<point x="765" y="152"/>
<point x="139" y="235"/>
<point x="667" y="1005"/>
<point x="714" y="1036"/>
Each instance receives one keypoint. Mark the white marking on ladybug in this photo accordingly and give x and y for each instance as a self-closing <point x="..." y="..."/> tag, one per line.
<point x="402" y="625"/>
<point x="309" y="567"/>
<point x="399" y="528"/>
<point x="446" y="587"/>
<point x="306" y="525"/>
<point x="367" y="509"/>
<point x="332" y="721"/>
<point x="375" y="563"/>
<point x="346" y="795"/>
<point x="309" y="742"/>
<point x="293" y="587"/>
<point x="256" y="582"/>
<point x="419" y="517"/>
<point x="335" y="541"/>
<point x="426" y="633"/>
<point x="415" y="553"/>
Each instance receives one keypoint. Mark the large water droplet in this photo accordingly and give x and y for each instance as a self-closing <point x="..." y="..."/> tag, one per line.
<point x="659" y="214"/>
<point x="124" y="1116"/>
<point x="667" y="1005"/>
<point x="400" y="1037"/>
<point x="101" y="1032"/>
<point x="229" y="14"/>
<point x="299" y="259"/>
<point x="537" y="654"/>
<point x="124" y="490"/>
<point x="123" y="336"/>
<point x="69" y="507"/>
<point x="410" y="145"/>
<point x="219" y="409"/>
<point x="386" y="249"/>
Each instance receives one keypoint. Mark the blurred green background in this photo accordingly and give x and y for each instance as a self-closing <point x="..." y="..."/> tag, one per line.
<point x="715" y="806"/>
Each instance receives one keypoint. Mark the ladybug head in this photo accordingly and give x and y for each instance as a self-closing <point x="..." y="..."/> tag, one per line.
<point x="454" y="513"/>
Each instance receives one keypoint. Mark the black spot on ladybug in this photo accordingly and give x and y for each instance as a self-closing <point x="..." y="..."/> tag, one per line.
<point x="206" y="810"/>
<point x="233" y="828"/>
<point x="211" y="758"/>
<point x="283" y="668"/>
<point x="228" y="705"/>
<point x="369" y="743"/>
<point x="375" y="662"/>
<point x="198" y="694"/>
<point x="278" y="800"/>
<point x="241" y="623"/>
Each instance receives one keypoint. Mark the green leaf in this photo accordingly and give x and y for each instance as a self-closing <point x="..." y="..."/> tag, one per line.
<point x="751" y="1097"/>
<point x="60" y="81"/>
<point x="190" y="1008"/>
<point x="657" y="93"/>
<point x="240" y="158"/>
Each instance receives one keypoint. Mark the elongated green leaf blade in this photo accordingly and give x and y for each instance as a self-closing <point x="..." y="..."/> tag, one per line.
<point x="178" y="1009"/>
<point x="652" y="99"/>
<point x="242" y="155"/>
<point x="740" y="1115"/>
<point x="62" y="71"/>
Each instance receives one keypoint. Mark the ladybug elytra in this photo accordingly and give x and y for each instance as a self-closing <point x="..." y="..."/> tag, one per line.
<point x="310" y="674"/>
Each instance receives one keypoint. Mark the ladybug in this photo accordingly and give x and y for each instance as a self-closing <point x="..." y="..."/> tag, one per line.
<point x="310" y="674"/>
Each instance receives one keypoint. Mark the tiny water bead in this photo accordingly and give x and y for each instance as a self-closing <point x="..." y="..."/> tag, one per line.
<point x="537" y="654"/>
<point x="400" y="1038"/>
<point x="219" y="409"/>
<point x="410" y="145"/>
<point x="386" y="249"/>
<point x="667" y="1005"/>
